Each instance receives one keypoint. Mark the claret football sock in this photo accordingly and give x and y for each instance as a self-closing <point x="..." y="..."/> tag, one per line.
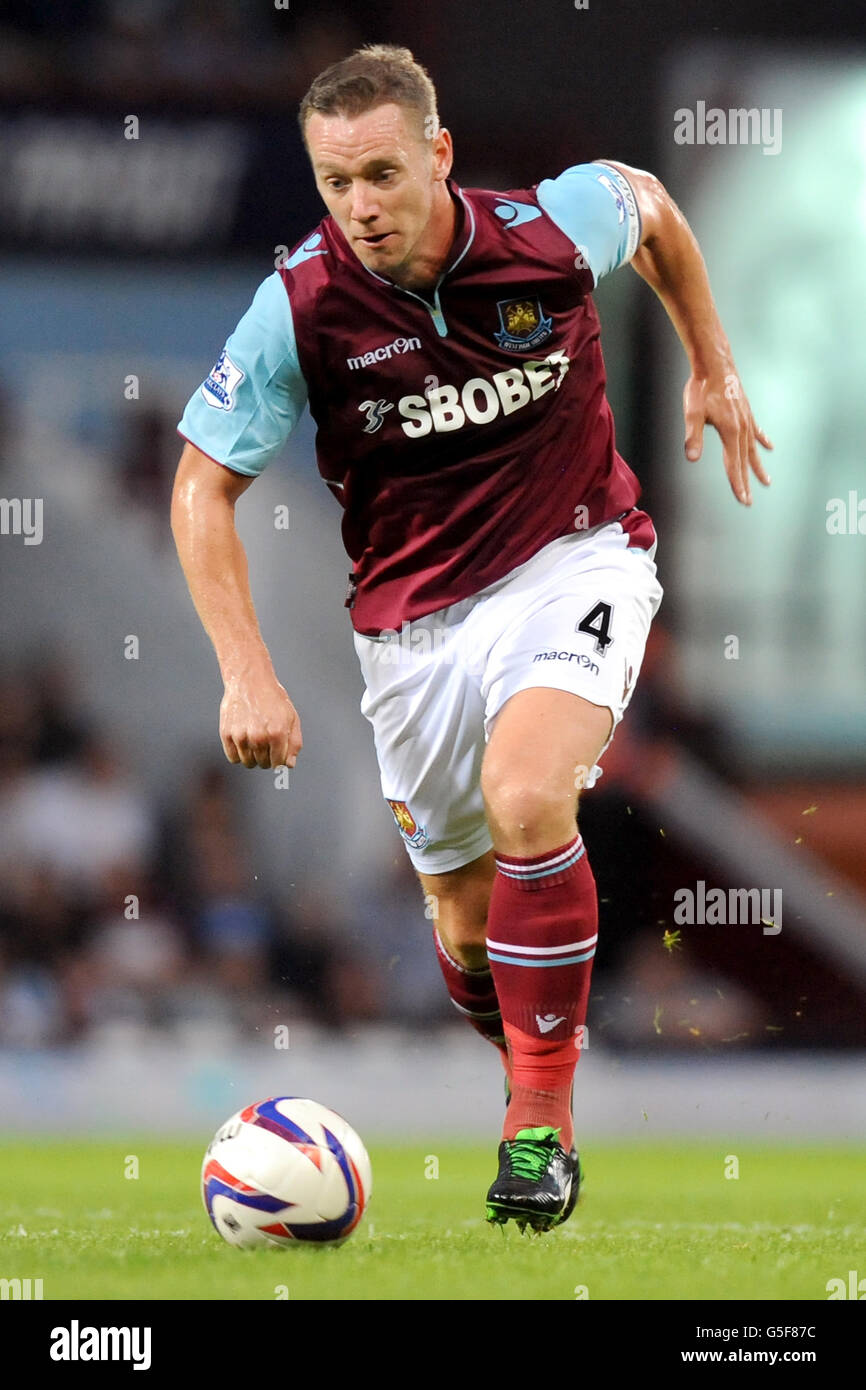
<point x="542" y="930"/>
<point x="473" y="994"/>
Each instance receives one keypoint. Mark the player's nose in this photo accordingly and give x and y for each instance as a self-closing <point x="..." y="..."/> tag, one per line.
<point x="364" y="205"/>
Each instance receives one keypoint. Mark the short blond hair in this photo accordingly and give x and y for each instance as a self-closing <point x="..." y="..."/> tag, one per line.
<point x="369" y="77"/>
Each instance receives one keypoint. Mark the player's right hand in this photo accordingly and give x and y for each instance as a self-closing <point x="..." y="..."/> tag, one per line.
<point x="259" y="725"/>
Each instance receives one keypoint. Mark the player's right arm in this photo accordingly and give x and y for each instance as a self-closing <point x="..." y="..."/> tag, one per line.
<point x="234" y="424"/>
<point x="259" y="725"/>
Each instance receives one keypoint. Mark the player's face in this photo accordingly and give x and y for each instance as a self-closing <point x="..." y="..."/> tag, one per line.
<point x="383" y="183"/>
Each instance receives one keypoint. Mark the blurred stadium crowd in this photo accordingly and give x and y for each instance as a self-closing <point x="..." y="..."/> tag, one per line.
<point x="115" y="908"/>
<point x="237" y="53"/>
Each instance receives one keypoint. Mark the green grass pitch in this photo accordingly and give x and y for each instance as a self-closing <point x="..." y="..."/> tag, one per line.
<point x="653" y="1222"/>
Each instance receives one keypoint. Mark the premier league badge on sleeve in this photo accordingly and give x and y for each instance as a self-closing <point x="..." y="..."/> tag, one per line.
<point x="524" y="324"/>
<point x="218" y="390"/>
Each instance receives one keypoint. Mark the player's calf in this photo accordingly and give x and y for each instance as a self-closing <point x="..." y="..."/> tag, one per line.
<point x="460" y="901"/>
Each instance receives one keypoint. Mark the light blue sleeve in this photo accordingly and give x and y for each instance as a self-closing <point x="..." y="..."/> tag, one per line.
<point x="244" y="411"/>
<point x="595" y="205"/>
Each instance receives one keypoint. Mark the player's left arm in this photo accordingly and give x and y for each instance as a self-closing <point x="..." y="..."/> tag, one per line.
<point x="669" y="259"/>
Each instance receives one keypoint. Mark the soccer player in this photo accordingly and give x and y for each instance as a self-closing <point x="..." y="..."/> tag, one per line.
<point x="503" y="578"/>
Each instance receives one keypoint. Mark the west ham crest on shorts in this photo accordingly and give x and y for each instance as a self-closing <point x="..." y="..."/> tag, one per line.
<point x="412" y="833"/>
<point x="524" y="324"/>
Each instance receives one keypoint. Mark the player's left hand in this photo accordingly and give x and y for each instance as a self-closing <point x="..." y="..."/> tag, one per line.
<point x="719" y="400"/>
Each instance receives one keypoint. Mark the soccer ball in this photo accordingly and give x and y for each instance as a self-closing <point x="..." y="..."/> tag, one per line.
<point x="285" y="1170"/>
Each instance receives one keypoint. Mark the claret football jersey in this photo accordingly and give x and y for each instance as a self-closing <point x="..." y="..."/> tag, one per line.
<point x="462" y="429"/>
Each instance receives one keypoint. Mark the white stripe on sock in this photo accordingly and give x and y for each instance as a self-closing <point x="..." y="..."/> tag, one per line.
<point x="543" y="950"/>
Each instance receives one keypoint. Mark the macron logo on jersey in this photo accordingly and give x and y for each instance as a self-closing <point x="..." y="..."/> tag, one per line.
<point x="381" y="354"/>
<point x="311" y="247"/>
<point x="515" y="214"/>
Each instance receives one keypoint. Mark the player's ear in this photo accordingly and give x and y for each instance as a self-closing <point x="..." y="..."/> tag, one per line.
<point x="443" y="153"/>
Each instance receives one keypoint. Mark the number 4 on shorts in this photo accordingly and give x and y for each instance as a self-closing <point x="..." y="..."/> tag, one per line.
<point x="597" y="624"/>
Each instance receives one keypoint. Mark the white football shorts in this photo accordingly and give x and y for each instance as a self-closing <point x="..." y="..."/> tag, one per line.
<point x="574" y="617"/>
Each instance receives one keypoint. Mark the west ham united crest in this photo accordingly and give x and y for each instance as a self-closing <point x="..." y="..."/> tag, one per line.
<point x="413" y="834"/>
<point x="524" y="324"/>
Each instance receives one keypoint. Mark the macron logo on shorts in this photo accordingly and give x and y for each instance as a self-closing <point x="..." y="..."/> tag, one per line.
<point x="582" y="660"/>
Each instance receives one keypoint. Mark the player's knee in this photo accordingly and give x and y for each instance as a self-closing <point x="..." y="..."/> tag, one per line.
<point x="523" y="815"/>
